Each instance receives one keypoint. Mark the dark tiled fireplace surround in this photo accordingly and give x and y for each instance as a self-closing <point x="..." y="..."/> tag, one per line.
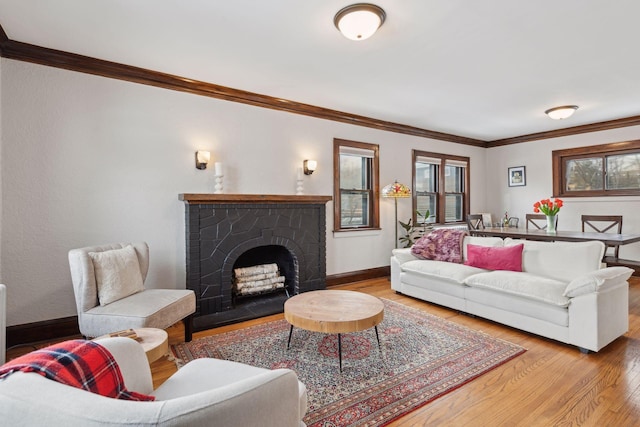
<point x="227" y="231"/>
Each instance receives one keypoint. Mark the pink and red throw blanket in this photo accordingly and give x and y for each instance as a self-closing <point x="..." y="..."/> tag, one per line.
<point x="441" y="244"/>
<point x="78" y="363"/>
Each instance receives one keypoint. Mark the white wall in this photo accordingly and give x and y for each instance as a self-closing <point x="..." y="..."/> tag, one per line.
<point x="1" y="186"/>
<point x="88" y="160"/>
<point x="536" y="156"/>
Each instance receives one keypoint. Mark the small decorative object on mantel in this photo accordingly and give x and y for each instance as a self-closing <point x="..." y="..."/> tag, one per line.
<point x="550" y="209"/>
<point x="219" y="175"/>
<point x="299" y="186"/>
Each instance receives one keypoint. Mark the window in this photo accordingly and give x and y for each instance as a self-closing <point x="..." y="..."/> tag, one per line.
<point x="600" y="170"/>
<point x="441" y="185"/>
<point x="356" y="185"/>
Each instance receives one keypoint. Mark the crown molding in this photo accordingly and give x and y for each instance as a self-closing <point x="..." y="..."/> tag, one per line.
<point x="575" y="130"/>
<point x="70" y="61"/>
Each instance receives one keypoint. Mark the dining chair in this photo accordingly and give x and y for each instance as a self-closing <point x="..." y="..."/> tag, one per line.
<point x="603" y="224"/>
<point x="474" y="222"/>
<point x="538" y="221"/>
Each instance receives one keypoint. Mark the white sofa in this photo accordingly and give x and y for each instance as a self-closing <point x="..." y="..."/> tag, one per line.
<point x="562" y="293"/>
<point x="205" y="392"/>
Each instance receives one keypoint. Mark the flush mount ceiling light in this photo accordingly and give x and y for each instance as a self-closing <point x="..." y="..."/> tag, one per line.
<point x="559" y="113"/>
<point x="359" y="21"/>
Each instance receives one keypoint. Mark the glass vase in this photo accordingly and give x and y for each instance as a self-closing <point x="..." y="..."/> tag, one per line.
<point x="551" y="224"/>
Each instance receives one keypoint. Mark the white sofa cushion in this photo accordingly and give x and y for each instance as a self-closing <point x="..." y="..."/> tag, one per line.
<point x="117" y="274"/>
<point x="523" y="284"/>
<point x="559" y="260"/>
<point x="520" y="305"/>
<point x="403" y="255"/>
<point x="597" y="280"/>
<point x="480" y="241"/>
<point x="441" y="269"/>
<point x="152" y="308"/>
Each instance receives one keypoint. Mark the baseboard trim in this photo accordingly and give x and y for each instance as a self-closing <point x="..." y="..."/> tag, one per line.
<point x="357" y="276"/>
<point x="55" y="329"/>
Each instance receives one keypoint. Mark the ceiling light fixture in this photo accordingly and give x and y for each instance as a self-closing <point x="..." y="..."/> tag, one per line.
<point x="359" y="21"/>
<point x="559" y="113"/>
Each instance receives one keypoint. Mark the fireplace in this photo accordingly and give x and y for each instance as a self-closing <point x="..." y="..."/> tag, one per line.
<point x="230" y="231"/>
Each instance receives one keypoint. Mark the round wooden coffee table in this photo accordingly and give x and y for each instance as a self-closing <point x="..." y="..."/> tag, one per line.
<point x="334" y="312"/>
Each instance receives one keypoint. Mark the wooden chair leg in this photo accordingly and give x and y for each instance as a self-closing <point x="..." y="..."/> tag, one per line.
<point x="188" y="328"/>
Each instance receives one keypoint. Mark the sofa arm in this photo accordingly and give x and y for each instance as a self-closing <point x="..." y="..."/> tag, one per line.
<point x="213" y="392"/>
<point x="403" y="255"/>
<point x="597" y="281"/>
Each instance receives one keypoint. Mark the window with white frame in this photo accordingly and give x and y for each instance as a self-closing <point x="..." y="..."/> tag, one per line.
<point x="356" y="185"/>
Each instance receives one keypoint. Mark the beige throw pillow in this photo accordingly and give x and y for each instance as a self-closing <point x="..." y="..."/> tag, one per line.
<point x="117" y="274"/>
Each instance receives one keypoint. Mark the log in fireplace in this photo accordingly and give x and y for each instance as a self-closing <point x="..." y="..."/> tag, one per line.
<point x="226" y="232"/>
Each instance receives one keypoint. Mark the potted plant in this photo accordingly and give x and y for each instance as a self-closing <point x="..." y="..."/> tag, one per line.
<point x="414" y="232"/>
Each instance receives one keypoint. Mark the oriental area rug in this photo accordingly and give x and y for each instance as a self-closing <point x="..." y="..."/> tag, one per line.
<point x="421" y="357"/>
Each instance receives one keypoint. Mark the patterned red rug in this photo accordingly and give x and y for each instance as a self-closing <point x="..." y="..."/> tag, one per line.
<point x="422" y="357"/>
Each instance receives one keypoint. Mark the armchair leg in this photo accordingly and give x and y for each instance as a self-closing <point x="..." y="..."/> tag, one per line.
<point x="188" y="328"/>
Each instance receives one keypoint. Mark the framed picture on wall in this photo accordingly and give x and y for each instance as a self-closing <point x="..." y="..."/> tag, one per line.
<point x="517" y="177"/>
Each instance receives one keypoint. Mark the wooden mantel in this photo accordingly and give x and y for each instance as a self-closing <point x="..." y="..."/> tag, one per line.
<point x="204" y="198"/>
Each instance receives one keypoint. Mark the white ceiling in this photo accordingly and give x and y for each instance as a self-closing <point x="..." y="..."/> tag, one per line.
<point x="479" y="69"/>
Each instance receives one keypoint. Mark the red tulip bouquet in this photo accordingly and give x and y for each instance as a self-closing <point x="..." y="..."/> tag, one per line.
<point x="548" y="207"/>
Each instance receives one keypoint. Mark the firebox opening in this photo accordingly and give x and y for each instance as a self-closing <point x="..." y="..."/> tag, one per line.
<point x="262" y="258"/>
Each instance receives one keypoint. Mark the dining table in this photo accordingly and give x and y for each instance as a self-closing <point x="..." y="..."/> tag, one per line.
<point x="609" y="239"/>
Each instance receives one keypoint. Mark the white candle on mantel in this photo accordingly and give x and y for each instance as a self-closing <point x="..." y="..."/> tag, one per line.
<point x="218" y="167"/>
<point x="299" y="173"/>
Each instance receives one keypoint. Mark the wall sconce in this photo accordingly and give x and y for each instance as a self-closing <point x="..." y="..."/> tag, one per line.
<point x="202" y="158"/>
<point x="309" y="166"/>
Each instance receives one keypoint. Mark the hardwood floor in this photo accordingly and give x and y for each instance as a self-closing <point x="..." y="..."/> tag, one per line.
<point x="552" y="384"/>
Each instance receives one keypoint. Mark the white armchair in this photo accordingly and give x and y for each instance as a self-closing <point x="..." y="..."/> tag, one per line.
<point x="205" y="392"/>
<point x="144" y="308"/>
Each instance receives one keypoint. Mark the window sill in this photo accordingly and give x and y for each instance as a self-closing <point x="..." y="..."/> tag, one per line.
<point x="357" y="232"/>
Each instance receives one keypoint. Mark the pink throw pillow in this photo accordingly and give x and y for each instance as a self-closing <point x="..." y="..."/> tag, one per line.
<point x="492" y="258"/>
